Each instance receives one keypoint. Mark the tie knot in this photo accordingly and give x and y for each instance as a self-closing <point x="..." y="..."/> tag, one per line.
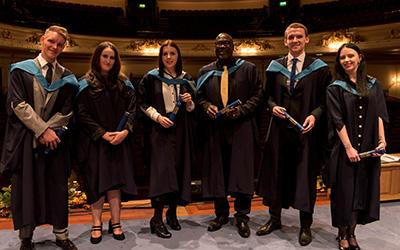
<point x="294" y="60"/>
<point x="225" y="67"/>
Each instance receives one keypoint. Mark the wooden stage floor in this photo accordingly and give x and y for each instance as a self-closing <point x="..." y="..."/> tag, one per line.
<point x="141" y="209"/>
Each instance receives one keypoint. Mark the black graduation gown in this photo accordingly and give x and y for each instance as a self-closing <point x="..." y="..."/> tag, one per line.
<point x="105" y="166"/>
<point x="355" y="186"/>
<point x="39" y="183"/>
<point x="170" y="151"/>
<point x="218" y="134"/>
<point x="291" y="161"/>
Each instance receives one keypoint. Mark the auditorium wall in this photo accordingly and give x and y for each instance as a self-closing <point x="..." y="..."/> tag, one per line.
<point x="384" y="69"/>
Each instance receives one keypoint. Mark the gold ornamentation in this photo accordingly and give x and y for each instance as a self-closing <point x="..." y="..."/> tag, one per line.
<point x="200" y="47"/>
<point x="35" y="39"/>
<point x="252" y="46"/>
<point x="71" y="43"/>
<point x="149" y="47"/>
<point x="6" y="34"/>
<point x="335" y="39"/>
<point x="395" y="33"/>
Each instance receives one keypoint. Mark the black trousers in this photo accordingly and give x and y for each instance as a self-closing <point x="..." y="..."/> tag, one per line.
<point x="306" y="218"/>
<point x="242" y="207"/>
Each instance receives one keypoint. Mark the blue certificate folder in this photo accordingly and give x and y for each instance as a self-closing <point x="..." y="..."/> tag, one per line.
<point x="369" y="153"/>
<point x="228" y="107"/>
<point x="293" y="121"/>
<point x="123" y="121"/>
<point x="172" y="115"/>
<point x="60" y="133"/>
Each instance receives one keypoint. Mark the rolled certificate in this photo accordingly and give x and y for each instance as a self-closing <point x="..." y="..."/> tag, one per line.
<point x="172" y="115"/>
<point x="228" y="107"/>
<point x="369" y="153"/>
<point x="293" y="121"/>
<point x="123" y="121"/>
<point x="60" y="134"/>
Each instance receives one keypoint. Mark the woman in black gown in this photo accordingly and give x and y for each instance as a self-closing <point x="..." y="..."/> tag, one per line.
<point x="105" y="152"/>
<point x="357" y="111"/>
<point x="165" y="97"/>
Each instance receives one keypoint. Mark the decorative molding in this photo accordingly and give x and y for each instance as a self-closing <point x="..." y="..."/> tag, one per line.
<point x="34" y="39"/>
<point x="394" y="33"/>
<point x="254" y="43"/>
<point x="335" y="39"/>
<point x="384" y="38"/>
<point x="6" y="34"/>
<point x="200" y="47"/>
<point x="252" y="46"/>
<point x="142" y="45"/>
<point x="71" y="42"/>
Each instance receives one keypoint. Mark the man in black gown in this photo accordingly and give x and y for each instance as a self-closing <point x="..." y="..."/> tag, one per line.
<point x="296" y="84"/>
<point x="229" y="140"/>
<point x="39" y="101"/>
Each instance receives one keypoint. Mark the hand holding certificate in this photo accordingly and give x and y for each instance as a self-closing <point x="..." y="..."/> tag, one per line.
<point x="172" y="115"/>
<point x="60" y="134"/>
<point x="371" y="152"/>
<point x="228" y="107"/>
<point x="293" y="121"/>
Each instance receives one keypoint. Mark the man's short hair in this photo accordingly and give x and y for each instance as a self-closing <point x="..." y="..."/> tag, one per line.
<point x="295" y="26"/>
<point x="59" y="30"/>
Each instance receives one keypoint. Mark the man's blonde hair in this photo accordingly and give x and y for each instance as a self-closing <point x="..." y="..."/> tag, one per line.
<point x="59" y="30"/>
<point x="296" y="26"/>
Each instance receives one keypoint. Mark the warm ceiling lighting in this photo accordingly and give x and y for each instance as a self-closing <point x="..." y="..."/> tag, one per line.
<point x="337" y="38"/>
<point x="248" y="50"/>
<point x="151" y="51"/>
<point x="251" y="46"/>
<point x="146" y="48"/>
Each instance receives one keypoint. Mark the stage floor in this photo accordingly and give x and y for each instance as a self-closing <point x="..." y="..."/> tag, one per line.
<point x="384" y="234"/>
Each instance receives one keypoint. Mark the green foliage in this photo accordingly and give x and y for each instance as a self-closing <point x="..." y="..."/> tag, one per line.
<point x="5" y="197"/>
<point x="5" y="201"/>
<point x="76" y="198"/>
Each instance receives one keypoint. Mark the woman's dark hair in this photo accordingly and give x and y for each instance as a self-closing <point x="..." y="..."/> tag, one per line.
<point x="179" y="66"/>
<point x="362" y="79"/>
<point x="114" y="79"/>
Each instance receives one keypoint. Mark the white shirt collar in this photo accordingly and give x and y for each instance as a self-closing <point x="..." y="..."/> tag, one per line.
<point x="43" y="62"/>
<point x="300" y="58"/>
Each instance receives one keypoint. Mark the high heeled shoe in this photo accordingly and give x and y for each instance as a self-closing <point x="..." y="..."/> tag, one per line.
<point x="157" y="227"/>
<point x="339" y="239"/>
<point x="112" y="227"/>
<point x="172" y="221"/>
<point x="96" y="240"/>
<point x="353" y="246"/>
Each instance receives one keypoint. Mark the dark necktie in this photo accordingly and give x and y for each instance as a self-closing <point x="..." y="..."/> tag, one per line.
<point x="49" y="73"/>
<point x="292" y="74"/>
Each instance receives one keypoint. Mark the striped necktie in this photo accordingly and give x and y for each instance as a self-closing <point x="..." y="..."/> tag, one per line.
<point x="292" y="74"/>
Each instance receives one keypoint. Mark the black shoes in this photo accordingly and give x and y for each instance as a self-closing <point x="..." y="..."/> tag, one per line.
<point x="27" y="244"/>
<point x="66" y="244"/>
<point x="111" y="228"/>
<point x="305" y="236"/>
<point x="353" y="242"/>
<point x="173" y="222"/>
<point x="243" y="229"/>
<point x="269" y="227"/>
<point x="96" y="240"/>
<point x="217" y="223"/>
<point x="157" y="227"/>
